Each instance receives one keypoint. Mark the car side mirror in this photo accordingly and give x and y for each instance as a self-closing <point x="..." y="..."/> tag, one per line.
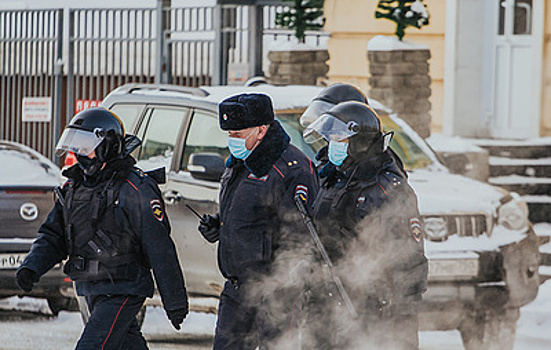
<point x="206" y="166"/>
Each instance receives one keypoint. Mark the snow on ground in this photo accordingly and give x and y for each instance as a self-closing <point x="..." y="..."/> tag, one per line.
<point x="443" y="143"/>
<point x="62" y="332"/>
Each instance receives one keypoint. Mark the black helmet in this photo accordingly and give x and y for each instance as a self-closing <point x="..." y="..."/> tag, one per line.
<point x="329" y="97"/>
<point x="354" y="121"/>
<point x="94" y="129"/>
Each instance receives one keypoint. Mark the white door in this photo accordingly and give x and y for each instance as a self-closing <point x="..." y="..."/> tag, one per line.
<point x="517" y="68"/>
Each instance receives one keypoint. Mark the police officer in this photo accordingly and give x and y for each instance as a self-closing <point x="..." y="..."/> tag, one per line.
<point x="263" y="245"/>
<point x="368" y="219"/>
<point x="109" y="219"/>
<point x="328" y="98"/>
<point x="324" y="101"/>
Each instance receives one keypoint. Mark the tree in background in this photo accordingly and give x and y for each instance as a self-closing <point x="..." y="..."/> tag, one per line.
<point x="405" y="13"/>
<point x="303" y="15"/>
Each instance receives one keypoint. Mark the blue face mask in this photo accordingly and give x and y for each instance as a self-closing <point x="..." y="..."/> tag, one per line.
<point x="237" y="147"/>
<point x="338" y="151"/>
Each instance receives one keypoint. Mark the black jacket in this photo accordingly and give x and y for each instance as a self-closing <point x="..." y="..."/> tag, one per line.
<point x="139" y="211"/>
<point x="368" y="219"/>
<point x="258" y="215"/>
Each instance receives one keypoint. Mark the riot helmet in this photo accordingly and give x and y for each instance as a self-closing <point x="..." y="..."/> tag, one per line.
<point x="328" y="98"/>
<point x="96" y="129"/>
<point x="354" y="121"/>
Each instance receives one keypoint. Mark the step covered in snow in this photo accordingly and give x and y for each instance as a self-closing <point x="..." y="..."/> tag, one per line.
<point x="531" y="167"/>
<point x="524" y="185"/>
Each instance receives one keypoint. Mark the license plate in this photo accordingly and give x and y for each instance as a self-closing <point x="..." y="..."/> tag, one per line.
<point x="453" y="269"/>
<point x="11" y="261"/>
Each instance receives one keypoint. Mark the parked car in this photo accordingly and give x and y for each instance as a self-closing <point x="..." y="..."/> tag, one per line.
<point x="27" y="180"/>
<point x="483" y="253"/>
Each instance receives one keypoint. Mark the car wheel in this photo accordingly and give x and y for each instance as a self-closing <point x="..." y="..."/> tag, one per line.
<point x="85" y="313"/>
<point x="59" y="304"/>
<point x="490" y="329"/>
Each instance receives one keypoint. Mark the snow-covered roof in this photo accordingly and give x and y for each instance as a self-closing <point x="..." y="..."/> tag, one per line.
<point x="284" y="97"/>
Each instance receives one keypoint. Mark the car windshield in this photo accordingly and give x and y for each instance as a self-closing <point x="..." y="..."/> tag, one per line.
<point x="410" y="153"/>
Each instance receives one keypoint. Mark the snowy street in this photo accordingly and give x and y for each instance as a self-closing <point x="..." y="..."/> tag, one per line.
<point x="27" y="329"/>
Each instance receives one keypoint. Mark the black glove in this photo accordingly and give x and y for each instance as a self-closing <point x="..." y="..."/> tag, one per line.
<point x="177" y="316"/>
<point x="26" y="279"/>
<point x="209" y="226"/>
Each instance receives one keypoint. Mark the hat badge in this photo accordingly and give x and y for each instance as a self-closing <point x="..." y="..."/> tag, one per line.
<point x="225" y="116"/>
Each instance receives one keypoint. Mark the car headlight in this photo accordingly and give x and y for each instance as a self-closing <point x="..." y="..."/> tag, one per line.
<point x="513" y="212"/>
<point x="436" y="228"/>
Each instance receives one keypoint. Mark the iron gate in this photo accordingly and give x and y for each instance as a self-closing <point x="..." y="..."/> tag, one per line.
<point x="75" y="55"/>
<point x="30" y="54"/>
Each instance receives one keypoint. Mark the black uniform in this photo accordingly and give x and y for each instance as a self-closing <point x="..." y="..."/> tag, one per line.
<point x="261" y="234"/>
<point x="114" y="229"/>
<point x="368" y="220"/>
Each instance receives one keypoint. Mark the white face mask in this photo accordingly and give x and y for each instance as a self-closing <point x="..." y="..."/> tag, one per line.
<point x="238" y="146"/>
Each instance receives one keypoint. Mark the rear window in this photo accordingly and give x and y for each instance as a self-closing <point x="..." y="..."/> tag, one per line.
<point x="26" y="168"/>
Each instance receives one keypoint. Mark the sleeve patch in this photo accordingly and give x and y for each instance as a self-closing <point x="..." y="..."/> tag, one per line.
<point x="254" y="177"/>
<point x="302" y="192"/>
<point x="415" y="229"/>
<point x="157" y="209"/>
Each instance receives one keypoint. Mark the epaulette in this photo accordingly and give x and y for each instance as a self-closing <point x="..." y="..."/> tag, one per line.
<point x="390" y="180"/>
<point x="291" y="160"/>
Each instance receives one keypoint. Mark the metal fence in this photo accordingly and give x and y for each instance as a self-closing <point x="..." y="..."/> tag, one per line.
<point x="30" y="48"/>
<point x="95" y="50"/>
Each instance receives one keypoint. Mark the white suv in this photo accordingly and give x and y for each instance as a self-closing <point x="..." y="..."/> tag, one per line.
<point x="483" y="254"/>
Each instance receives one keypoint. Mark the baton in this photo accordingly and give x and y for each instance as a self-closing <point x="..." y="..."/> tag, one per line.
<point x="310" y="224"/>
<point x="194" y="212"/>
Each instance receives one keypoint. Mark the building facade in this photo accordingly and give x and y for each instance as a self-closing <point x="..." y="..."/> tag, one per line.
<point x="490" y="61"/>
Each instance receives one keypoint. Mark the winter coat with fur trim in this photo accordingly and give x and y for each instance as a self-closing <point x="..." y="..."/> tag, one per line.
<point x="258" y="216"/>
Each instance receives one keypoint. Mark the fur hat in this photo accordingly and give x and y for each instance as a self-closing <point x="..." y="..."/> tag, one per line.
<point x="245" y="111"/>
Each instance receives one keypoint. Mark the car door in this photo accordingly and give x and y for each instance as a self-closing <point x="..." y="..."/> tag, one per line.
<point x="198" y="257"/>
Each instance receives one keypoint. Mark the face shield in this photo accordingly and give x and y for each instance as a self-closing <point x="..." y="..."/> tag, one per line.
<point x="314" y="111"/>
<point x="330" y="128"/>
<point x="79" y="141"/>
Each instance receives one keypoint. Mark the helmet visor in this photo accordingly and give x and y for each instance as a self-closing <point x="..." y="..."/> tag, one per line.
<point x="79" y="141"/>
<point x="314" y="111"/>
<point x="329" y="128"/>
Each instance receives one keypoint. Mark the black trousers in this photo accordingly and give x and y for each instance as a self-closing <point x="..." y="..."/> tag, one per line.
<point x="245" y="322"/>
<point x="112" y="324"/>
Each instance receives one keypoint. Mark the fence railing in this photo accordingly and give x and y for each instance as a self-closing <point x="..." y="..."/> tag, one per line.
<point x="96" y="50"/>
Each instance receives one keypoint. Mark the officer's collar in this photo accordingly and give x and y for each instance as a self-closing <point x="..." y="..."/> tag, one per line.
<point x="266" y="153"/>
<point x="121" y="166"/>
<point x="368" y="167"/>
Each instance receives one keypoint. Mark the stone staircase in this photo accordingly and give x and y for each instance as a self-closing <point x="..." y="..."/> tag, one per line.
<point x="523" y="167"/>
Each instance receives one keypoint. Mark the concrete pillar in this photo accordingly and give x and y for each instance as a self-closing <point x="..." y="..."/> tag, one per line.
<point x="300" y="67"/>
<point x="400" y="79"/>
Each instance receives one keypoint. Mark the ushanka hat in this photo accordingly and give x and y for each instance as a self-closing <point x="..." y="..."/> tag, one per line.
<point x="245" y="111"/>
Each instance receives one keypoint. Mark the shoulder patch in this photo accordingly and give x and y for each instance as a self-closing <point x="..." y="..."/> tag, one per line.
<point x="157" y="209"/>
<point x="302" y="192"/>
<point x="415" y="229"/>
